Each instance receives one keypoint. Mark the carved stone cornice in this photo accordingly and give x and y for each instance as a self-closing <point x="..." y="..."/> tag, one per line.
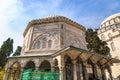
<point x="52" y="19"/>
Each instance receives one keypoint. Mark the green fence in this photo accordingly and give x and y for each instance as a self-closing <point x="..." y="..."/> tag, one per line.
<point x="29" y="74"/>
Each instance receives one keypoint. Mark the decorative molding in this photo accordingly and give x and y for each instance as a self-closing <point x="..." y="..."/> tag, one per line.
<point x="52" y="20"/>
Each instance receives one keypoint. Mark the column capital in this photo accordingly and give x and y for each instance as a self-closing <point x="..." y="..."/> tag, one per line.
<point x="74" y="61"/>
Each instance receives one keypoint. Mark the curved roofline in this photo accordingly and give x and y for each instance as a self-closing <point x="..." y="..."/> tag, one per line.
<point x="52" y="19"/>
<point x="110" y="17"/>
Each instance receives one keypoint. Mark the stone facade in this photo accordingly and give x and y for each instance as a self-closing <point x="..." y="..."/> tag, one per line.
<point x="58" y="43"/>
<point x="109" y="31"/>
<point x="60" y="35"/>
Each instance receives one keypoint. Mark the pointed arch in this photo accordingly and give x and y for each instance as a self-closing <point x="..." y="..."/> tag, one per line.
<point x="36" y="45"/>
<point x="56" y="68"/>
<point x="44" y="40"/>
<point x="45" y="65"/>
<point x="30" y="65"/>
<point x="49" y="43"/>
<point x="15" y="71"/>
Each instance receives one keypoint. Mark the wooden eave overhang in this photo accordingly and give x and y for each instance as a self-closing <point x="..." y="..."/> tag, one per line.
<point x="96" y="58"/>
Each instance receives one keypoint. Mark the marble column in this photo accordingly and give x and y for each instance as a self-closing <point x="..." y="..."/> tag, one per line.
<point x="74" y="70"/>
<point x="110" y="73"/>
<point x="61" y="73"/>
<point x="95" y="71"/>
<point x="85" y="74"/>
<point x="103" y="73"/>
<point x="61" y="67"/>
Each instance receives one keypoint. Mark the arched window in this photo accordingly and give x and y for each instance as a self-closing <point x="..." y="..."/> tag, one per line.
<point x="111" y="21"/>
<point x="30" y="65"/>
<point x="103" y="37"/>
<point x="15" y="71"/>
<point x="117" y="19"/>
<point x="36" y="45"/>
<point x="112" y="46"/>
<point x="109" y="35"/>
<point x="49" y="43"/>
<point x="44" y="42"/>
<point x="107" y="23"/>
<point x="45" y="65"/>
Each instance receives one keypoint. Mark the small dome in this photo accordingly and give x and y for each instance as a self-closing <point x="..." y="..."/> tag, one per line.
<point x="115" y="18"/>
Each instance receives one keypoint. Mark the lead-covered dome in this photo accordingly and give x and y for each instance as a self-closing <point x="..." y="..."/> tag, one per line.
<point x="111" y="20"/>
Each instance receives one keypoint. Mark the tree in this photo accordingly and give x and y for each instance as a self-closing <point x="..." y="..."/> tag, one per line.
<point x="2" y="72"/>
<point x="18" y="50"/>
<point x="94" y="44"/>
<point x="5" y="51"/>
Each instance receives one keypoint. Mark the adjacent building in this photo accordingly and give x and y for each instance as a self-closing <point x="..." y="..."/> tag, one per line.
<point x="109" y="31"/>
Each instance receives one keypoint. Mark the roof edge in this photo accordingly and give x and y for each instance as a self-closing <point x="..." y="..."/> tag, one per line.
<point x="51" y="20"/>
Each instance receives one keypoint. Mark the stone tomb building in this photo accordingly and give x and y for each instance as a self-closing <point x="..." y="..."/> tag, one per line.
<point x="58" y="43"/>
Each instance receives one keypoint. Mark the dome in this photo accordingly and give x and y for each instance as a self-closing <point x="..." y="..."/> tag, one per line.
<point x="113" y="19"/>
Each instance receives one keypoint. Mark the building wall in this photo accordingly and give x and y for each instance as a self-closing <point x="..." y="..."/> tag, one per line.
<point x="109" y="31"/>
<point x="72" y="36"/>
<point x="49" y="31"/>
<point x="60" y="33"/>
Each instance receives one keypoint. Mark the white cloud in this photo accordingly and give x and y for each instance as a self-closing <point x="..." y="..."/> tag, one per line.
<point x="10" y="11"/>
<point x="15" y="14"/>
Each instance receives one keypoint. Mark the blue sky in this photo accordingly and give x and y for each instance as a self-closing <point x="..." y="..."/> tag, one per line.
<point x="15" y="14"/>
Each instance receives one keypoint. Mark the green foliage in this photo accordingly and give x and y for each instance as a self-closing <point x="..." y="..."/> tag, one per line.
<point x="5" y="51"/>
<point x="18" y="50"/>
<point x="94" y="44"/>
<point x="2" y="72"/>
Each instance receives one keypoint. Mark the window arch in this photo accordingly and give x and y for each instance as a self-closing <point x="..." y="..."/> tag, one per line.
<point x="109" y="35"/>
<point x="36" y="45"/>
<point x="44" y="40"/>
<point x="15" y="71"/>
<point x="45" y="65"/>
<point x="112" y="46"/>
<point x="30" y="65"/>
<point x="49" y="43"/>
<point x="103" y="37"/>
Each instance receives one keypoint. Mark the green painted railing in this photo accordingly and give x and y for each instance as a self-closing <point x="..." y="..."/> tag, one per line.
<point x="29" y="74"/>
